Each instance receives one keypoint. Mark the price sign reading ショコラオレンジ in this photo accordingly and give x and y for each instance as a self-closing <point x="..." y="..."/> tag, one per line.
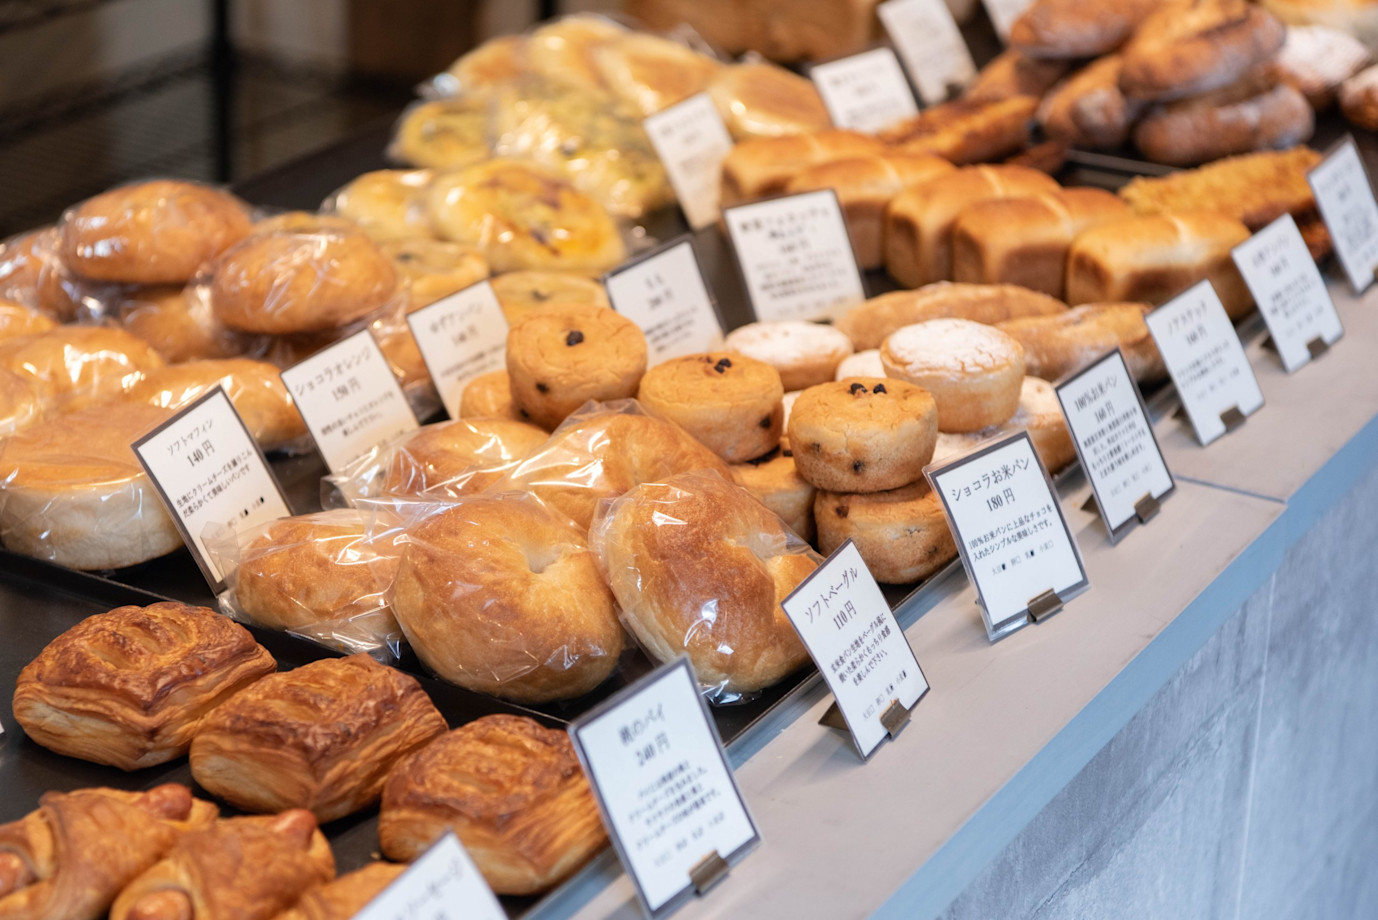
<point x="865" y="92"/>
<point x="796" y="256"/>
<point x="1289" y="291"/>
<point x="663" y="785"/>
<point x="349" y="398"/>
<point x="1344" y="196"/>
<point x="931" y="46"/>
<point x="849" y="629"/>
<point x="208" y="471"/>
<point x="443" y="884"/>
<point x="1115" y="442"/>
<point x="664" y="293"/>
<point x="460" y="337"/>
<point x="692" y="141"/>
<point x="1015" y="543"/>
<point x="1207" y="363"/>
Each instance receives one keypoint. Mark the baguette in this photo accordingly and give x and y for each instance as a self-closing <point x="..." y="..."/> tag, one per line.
<point x="1189" y="47"/>
<point x="1060" y="29"/>
<point x="763" y="166"/>
<point x="1088" y="110"/>
<point x="1254" y="188"/>
<point x="870" y="323"/>
<point x="1196" y="131"/>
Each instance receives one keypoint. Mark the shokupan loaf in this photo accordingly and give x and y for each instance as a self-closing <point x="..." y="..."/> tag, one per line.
<point x="763" y="166"/>
<point x="1152" y="259"/>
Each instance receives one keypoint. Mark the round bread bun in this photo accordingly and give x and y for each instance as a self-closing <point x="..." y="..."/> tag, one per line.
<point x="699" y="567"/>
<point x="489" y="396"/>
<point x="973" y="371"/>
<point x="79" y="362"/>
<point x="72" y="491"/>
<point x="604" y="451"/>
<point x="459" y="457"/>
<point x="17" y="319"/>
<point x="902" y="535"/>
<point x="495" y="62"/>
<point x="805" y="354"/>
<point x="1039" y="413"/>
<point x="284" y="283"/>
<point x="557" y="360"/>
<point x="862" y="364"/>
<point x="650" y="72"/>
<point x="177" y="322"/>
<point x="20" y="406"/>
<point x="301" y="572"/>
<point x="868" y="324"/>
<point x="863" y="434"/>
<point x="157" y="232"/>
<point x="387" y="203"/>
<point x="444" y="133"/>
<point x="523" y="217"/>
<point x="502" y="595"/>
<point x="1055" y="346"/>
<point x="562" y="49"/>
<point x="764" y="100"/>
<point x="32" y="274"/>
<point x="520" y="293"/>
<point x="730" y="403"/>
<point x="775" y="481"/>
<point x="434" y="268"/>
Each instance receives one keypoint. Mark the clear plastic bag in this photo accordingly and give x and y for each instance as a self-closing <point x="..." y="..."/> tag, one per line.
<point x="446" y="133"/>
<point x="178" y="323"/>
<point x="78" y="365"/>
<point x="31" y="273"/>
<point x="699" y="567"/>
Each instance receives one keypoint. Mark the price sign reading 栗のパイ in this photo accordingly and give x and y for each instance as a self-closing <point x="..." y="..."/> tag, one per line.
<point x="1014" y="542"/>
<point x="663" y="785"/>
<point x="460" y="337"/>
<point x="664" y="293"/>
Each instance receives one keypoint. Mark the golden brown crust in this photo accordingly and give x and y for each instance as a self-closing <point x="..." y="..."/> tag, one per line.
<point x="489" y="396"/>
<point x="1088" y="110"/>
<point x="1187" y="47"/>
<point x="863" y="434"/>
<point x="1055" y="346"/>
<point x="442" y="134"/>
<point x="868" y="324"/>
<point x="902" y="535"/>
<point x="157" y="232"/>
<point x="967" y="130"/>
<point x="31" y="273"/>
<point x="17" y="319"/>
<point x="763" y="166"/>
<point x="346" y="895"/>
<point x="521" y="293"/>
<point x="129" y="687"/>
<point x="460" y="457"/>
<point x="434" y="268"/>
<point x="502" y="595"/>
<point x="1194" y="131"/>
<point x="20" y="405"/>
<point x="1060" y="29"/>
<point x="1254" y="188"/>
<point x="763" y="100"/>
<point x="512" y="791"/>
<point x="650" y="72"/>
<point x="728" y="402"/>
<point x="775" y="481"/>
<point x="1014" y="73"/>
<point x="79" y="361"/>
<point x="387" y="203"/>
<point x="321" y="737"/>
<point x="178" y="324"/>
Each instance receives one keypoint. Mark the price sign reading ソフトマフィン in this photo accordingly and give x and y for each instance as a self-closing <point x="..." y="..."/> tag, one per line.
<point x="460" y="337"/>
<point x="443" y="884"/>
<point x="665" y="295"/>
<point x="663" y="786"/>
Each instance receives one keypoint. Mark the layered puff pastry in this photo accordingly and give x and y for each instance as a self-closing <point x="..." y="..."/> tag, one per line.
<point x="128" y="688"/>
<point x="238" y="869"/>
<point x="320" y="737"/>
<point x="69" y="859"/>
<point x="346" y="895"/>
<point x="511" y="790"/>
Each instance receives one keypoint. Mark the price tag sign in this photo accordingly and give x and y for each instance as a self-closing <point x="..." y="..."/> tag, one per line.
<point x="931" y="46"/>
<point x="692" y="141"/>
<point x="208" y="470"/>
<point x="443" y="884"/>
<point x="1206" y="361"/>
<point x="1115" y="442"/>
<point x="860" y="650"/>
<point x="796" y="256"/>
<point x="1344" y="197"/>
<point x="460" y="337"/>
<point x="663" y="784"/>
<point x="1289" y="291"/>
<point x="866" y="91"/>
<point x="1003" y="13"/>
<point x="349" y="398"/>
<point x="1014" y="541"/>
<point x="664" y="293"/>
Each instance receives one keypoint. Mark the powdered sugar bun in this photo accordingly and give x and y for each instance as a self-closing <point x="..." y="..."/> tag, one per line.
<point x="805" y="354"/>
<point x="972" y="370"/>
<point x="862" y="364"/>
<point x="1039" y="413"/>
<point x="1315" y="60"/>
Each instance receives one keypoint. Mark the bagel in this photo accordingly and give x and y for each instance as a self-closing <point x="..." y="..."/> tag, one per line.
<point x="973" y="371"/>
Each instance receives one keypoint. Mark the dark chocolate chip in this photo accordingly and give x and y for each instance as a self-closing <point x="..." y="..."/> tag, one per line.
<point x="542" y="388"/>
<point x="574" y="338"/>
<point x="856" y="386"/>
<point x="765" y="423"/>
<point x="841" y="511"/>
<point x="787" y="453"/>
<point x="857" y="466"/>
<point x="879" y="388"/>
<point x="722" y="365"/>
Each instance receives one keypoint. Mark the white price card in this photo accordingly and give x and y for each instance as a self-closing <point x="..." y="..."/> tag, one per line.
<point x="209" y="472"/>
<point x="1014" y="541"/>
<point x="460" y="337"/>
<point x="796" y="256"/>
<point x="1344" y="197"/>
<point x="663" y="785"/>
<point x="865" y="92"/>
<point x="1289" y="291"/>
<point x="1115" y="442"/>
<point x="664" y="293"/>
<point x="1206" y="360"/>
<point x="442" y="884"/>
<point x="851" y="633"/>
<point x="692" y="141"/>
<point x="1003" y="13"/>
<point x="931" y="46"/>
<point x="350" y="399"/>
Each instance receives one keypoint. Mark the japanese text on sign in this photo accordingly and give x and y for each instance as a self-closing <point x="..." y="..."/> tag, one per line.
<point x="1345" y="200"/>
<point x="865" y="92"/>
<point x="692" y="141"/>
<point x="665" y="295"/>
<point x="460" y="337"/>
<point x="442" y="884"/>
<point x="930" y="44"/>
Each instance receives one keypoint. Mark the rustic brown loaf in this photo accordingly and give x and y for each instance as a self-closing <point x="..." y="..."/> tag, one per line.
<point x="1055" y="346"/>
<point x="1255" y="188"/>
<point x="763" y="166"/>
<point x="1088" y="109"/>
<point x="1024" y="240"/>
<point x="1152" y="259"/>
<point x="868" y="324"/>
<point x="967" y="130"/>
<point x="865" y="187"/>
<point x="1059" y="29"/>
<point x="1189" y="132"/>
<point x="782" y="30"/>
<point x="918" y="224"/>
<point x="1317" y="60"/>
<point x="1012" y="73"/>
<point x="1188" y="47"/>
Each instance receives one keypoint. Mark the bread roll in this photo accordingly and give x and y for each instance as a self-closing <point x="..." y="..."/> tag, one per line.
<point x="762" y="100"/>
<point x="435" y="269"/>
<point x="489" y="396"/>
<point x="17" y="319"/>
<point x="563" y="49"/>
<point x="1188" y="47"/>
<point x="1088" y="110"/>
<point x="178" y="323"/>
<point x="387" y="203"/>
<point x="520" y="293"/>
<point x="1039" y="413"/>
<point x="1061" y="29"/>
<point x="72" y="363"/>
<point x="440" y="134"/>
<point x="973" y="371"/>
<point x="868" y="324"/>
<point x="1152" y="259"/>
<point x="728" y="403"/>
<point x="1056" y="346"/>
<point x="1199" y="130"/>
<point x="20" y="403"/>
<point x="32" y="273"/>
<point x="461" y="457"/>
<point x="763" y="166"/>
<point x="804" y="354"/>
<point x="967" y="130"/>
<point x="775" y="481"/>
<point x="495" y="62"/>
<point x="650" y="72"/>
<point x="902" y="534"/>
<point x="863" y="434"/>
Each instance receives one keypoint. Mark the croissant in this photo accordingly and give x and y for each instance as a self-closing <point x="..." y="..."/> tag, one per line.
<point x="347" y="895"/>
<point x="70" y="858"/>
<point x="238" y="869"/>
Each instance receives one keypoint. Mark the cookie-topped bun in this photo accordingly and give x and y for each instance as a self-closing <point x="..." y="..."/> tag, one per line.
<point x="863" y="434"/>
<point x="560" y="359"/>
<point x="973" y="371"/>
<point x="805" y="354"/>
<point x="729" y="402"/>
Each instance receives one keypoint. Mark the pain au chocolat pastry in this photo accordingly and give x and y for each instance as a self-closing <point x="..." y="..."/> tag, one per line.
<point x="69" y="859"/>
<point x="346" y="895"/>
<point x="128" y="688"/>
<point x="319" y="737"/>
<point x="238" y="869"/>
<point x="511" y="790"/>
